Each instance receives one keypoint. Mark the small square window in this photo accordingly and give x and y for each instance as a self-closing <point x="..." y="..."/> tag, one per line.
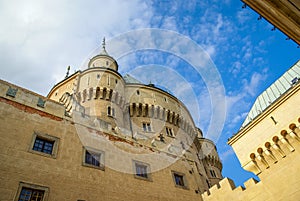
<point x="11" y="92"/>
<point x="179" y="180"/>
<point x="44" y="144"/>
<point x="147" y="127"/>
<point x="30" y="192"/>
<point x="142" y="170"/>
<point x="93" y="158"/>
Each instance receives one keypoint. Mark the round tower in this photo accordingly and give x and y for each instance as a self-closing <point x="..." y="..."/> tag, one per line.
<point x="101" y="89"/>
<point x="209" y="156"/>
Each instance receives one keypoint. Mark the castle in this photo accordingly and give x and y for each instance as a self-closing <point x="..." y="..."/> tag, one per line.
<point x="99" y="135"/>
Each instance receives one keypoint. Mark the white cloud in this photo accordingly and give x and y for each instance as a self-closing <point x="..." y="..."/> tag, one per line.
<point x="39" y="38"/>
<point x="225" y="154"/>
<point x="243" y="16"/>
<point x="251" y="86"/>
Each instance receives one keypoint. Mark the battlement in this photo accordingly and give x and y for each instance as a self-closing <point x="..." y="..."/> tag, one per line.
<point x="226" y="190"/>
<point x="29" y="101"/>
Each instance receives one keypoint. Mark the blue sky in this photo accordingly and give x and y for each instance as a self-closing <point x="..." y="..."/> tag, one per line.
<point x="39" y="39"/>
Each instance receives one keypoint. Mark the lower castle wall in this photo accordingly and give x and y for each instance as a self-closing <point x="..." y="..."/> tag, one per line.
<point x="280" y="181"/>
<point x="65" y="176"/>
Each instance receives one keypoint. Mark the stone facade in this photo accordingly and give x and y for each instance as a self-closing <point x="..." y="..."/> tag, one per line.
<point x="268" y="146"/>
<point x="97" y="136"/>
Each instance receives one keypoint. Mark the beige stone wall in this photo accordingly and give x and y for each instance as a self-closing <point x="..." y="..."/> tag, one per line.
<point x="64" y="175"/>
<point x="278" y="182"/>
<point x="270" y="149"/>
<point x="68" y="85"/>
<point x="262" y="130"/>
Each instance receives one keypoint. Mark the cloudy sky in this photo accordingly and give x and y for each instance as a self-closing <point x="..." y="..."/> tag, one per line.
<point x="39" y="39"/>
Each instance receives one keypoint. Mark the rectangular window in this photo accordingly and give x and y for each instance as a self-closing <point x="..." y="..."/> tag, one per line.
<point x="93" y="158"/>
<point x="147" y="127"/>
<point x="169" y="131"/>
<point x="31" y="192"/>
<point x="213" y="174"/>
<point x="110" y="111"/>
<point x="141" y="170"/>
<point x="44" y="144"/>
<point x="28" y="194"/>
<point x="179" y="180"/>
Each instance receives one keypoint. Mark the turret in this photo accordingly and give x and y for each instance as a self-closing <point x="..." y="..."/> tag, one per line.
<point x="209" y="156"/>
<point x="103" y="60"/>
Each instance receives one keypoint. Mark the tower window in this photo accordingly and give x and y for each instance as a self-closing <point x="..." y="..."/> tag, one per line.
<point x="208" y="184"/>
<point x="138" y="92"/>
<point x="110" y="111"/>
<point x="212" y="173"/>
<point x="107" y="63"/>
<point x="169" y="131"/>
<point x="147" y="127"/>
<point x="98" y="76"/>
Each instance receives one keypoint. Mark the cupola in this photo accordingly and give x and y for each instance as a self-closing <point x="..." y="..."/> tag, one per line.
<point x="103" y="60"/>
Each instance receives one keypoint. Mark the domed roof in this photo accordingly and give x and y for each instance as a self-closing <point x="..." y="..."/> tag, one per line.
<point x="103" y="60"/>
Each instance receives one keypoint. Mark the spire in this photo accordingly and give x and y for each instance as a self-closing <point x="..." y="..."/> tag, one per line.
<point x="68" y="70"/>
<point x="103" y="52"/>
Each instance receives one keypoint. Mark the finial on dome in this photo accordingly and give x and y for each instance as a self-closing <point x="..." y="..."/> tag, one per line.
<point x="103" y="43"/>
<point x="103" y="47"/>
<point x="68" y="70"/>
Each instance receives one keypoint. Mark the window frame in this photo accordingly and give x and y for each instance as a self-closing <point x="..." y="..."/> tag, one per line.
<point x="146" y="126"/>
<point x="94" y="151"/>
<point x="33" y="187"/>
<point x="46" y="137"/>
<point x="213" y="173"/>
<point x="110" y="111"/>
<point x="168" y="131"/>
<point x="148" y="170"/>
<point x="185" y="183"/>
